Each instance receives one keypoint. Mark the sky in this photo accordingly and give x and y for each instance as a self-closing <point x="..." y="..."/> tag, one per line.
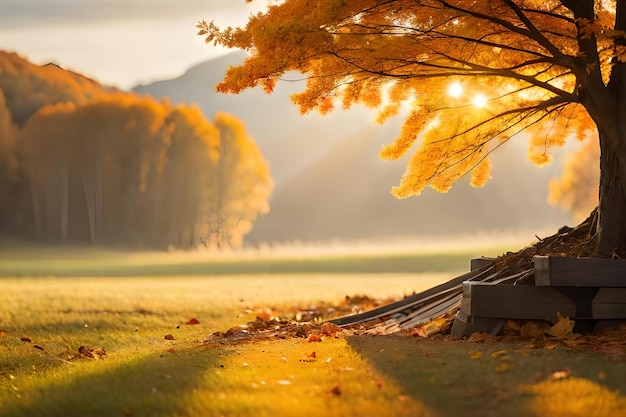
<point x="121" y="43"/>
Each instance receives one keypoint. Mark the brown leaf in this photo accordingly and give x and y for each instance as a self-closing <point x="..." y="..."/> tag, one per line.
<point x="85" y="352"/>
<point x="330" y="329"/>
<point x="169" y="337"/>
<point x="336" y="390"/>
<point x="532" y="329"/>
<point x="264" y="316"/>
<point x="193" y="321"/>
<point x="563" y="328"/>
<point x="26" y="339"/>
<point x="476" y="354"/>
<point x="314" y="338"/>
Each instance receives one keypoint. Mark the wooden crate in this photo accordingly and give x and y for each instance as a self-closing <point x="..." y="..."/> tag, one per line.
<point x="587" y="290"/>
<point x="579" y="272"/>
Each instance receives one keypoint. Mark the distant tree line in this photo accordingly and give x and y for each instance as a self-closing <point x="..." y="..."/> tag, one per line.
<point x="80" y="163"/>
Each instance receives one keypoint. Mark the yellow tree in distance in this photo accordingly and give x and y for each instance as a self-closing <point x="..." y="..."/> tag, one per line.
<point x="472" y="74"/>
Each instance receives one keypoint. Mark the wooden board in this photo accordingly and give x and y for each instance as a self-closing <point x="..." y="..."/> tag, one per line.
<point x="515" y="302"/>
<point x="579" y="272"/>
<point x="609" y="304"/>
<point x="483" y="261"/>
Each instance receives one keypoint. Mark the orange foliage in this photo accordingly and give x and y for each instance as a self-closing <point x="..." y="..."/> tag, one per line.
<point x="30" y="87"/>
<point x="577" y="189"/>
<point x="518" y="65"/>
<point x="147" y="171"/>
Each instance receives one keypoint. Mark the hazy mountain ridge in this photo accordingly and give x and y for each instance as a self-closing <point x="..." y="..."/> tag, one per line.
<point x="330" y="183"/>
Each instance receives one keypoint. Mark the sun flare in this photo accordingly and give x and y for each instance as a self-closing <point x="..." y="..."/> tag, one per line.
<point x="479" y="100"/>
<point x="455" y="90"/>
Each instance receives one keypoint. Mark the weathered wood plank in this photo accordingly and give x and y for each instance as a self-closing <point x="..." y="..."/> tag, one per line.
<point x="515" y="302"/>
<point x="483" y="261"/>
<point x="579" y="272"/>
<point x="416" y="301"/>
<point x="609" y="304"/>
<point x="465" y="326"/>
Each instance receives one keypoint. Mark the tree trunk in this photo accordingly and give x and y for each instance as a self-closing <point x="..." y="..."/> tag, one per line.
<point x="611" y="224"/>
<point x="612" y="205"/>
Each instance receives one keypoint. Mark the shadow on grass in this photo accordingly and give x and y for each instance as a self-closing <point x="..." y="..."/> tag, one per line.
<point x="153" y="385"/>
<point x="478" y="379"/>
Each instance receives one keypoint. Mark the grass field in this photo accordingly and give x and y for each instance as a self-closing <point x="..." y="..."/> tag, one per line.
<point x="54" y="302"/>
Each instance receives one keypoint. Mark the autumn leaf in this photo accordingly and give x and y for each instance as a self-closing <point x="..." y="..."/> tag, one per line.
<point x="192" y="321"/>
<point x="330" y="329"/>
<point x="314" y="337"/>
<point x="498" y="354"/>
<point x="85" y="352"/>
<point x="169" y="337"/>
<point x="476" y="354"/>
<point x="335" y="390"/>
<point x="563" y="328"/>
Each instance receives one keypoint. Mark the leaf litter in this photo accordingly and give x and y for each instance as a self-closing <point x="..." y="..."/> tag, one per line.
<point x="310" y="324"/>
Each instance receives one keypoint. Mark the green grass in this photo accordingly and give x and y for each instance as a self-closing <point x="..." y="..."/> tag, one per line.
<point x="95" y="263"/>
<point x="143" y="374"/>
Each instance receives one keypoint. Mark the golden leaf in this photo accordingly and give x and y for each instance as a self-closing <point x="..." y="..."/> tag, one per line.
<point x="563" y="328"/>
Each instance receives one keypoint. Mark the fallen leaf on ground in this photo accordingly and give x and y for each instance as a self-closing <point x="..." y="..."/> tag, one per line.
<point x="435" y="326"/>
<point x="336" y="390"/>
<point x="26" y="339"/>
<point x="265" y="315"/>
<point x="498" y="353"/>
<point x="476" y="354"/>
<point x="504" y="367"/>
<point x="480" y="337"/>
<point x="563" y="328"/>
<point x="533" y="329"/>
<point x="85" y="352"/>
<point x="314" y="338"/>
<point x="560" y="375"/>
<point x="171" y="350"/>
<point x="193" y="321"/>
<point x="169" y="337"/>
<point x="330" y="329"/>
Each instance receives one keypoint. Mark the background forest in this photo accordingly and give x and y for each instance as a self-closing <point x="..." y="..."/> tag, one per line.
<point x="80" y="162"/>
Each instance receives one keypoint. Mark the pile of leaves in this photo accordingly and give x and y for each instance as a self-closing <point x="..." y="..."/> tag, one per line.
<point x="301" y="322"/>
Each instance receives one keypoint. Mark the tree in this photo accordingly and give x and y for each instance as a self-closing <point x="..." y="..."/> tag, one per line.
<point x="466" y="75"/>
<point x="29" y="87"/>
<point x="241" y="183"/>
<point x="9" y="176"/>
<point x="577" y="189"/>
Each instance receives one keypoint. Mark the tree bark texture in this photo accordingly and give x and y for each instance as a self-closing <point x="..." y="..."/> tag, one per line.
<point x="612" y="199"/>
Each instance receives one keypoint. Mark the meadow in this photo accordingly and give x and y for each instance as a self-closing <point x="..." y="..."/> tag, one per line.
<point x="112" y="333"/>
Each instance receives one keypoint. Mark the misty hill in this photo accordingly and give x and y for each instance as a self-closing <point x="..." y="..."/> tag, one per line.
<point x="330" y="183"/>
